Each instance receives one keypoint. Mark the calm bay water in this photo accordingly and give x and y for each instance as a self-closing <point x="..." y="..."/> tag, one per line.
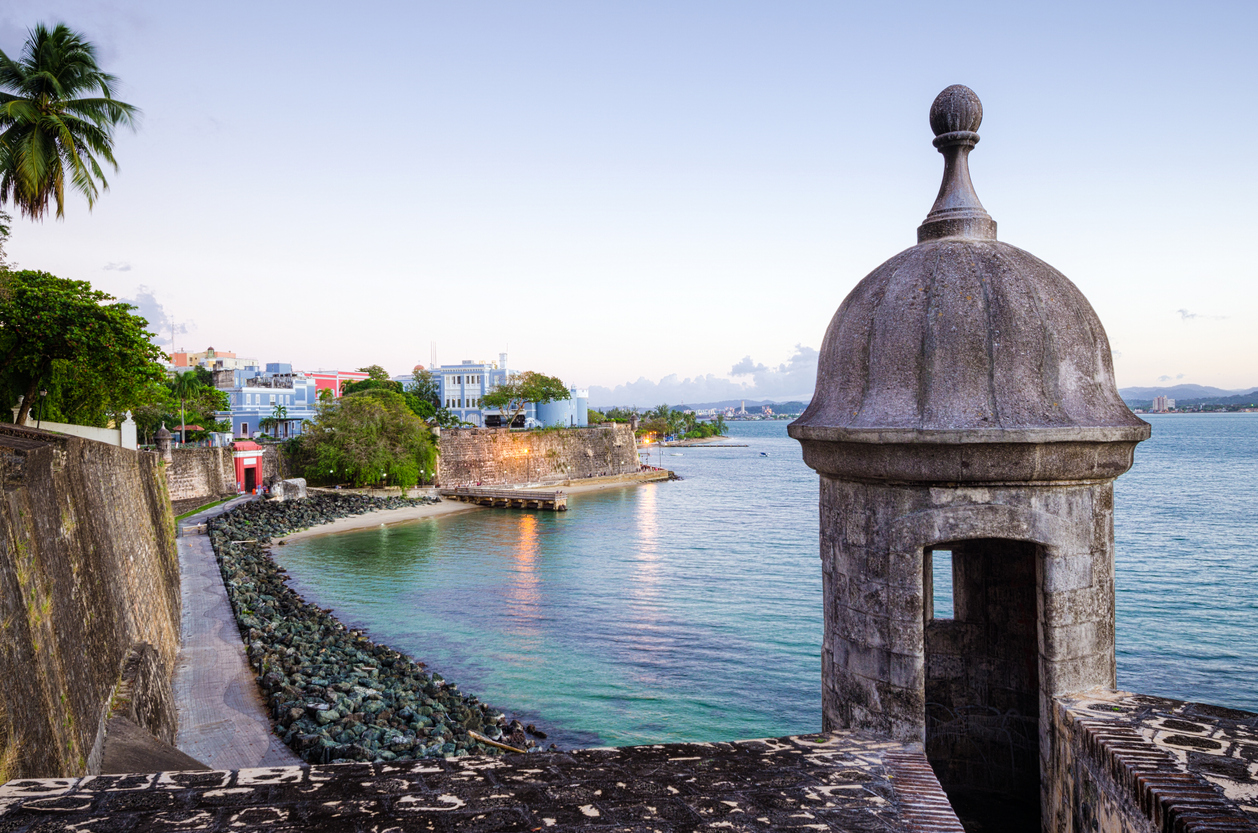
<point x="691" y="610"/>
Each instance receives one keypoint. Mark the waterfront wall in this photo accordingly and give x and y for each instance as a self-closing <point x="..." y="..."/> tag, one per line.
<point x="202" y="474"/>
<point x="494" y="457"/>
<point x="89" y="576"/>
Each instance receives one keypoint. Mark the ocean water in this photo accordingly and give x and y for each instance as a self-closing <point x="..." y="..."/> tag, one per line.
<point x="691" y="610"/>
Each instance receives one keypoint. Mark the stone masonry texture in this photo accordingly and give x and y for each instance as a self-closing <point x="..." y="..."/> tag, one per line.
<point x="201" y="473"/>
<point x="839" y="782"/>
<point x="493" y="457"/>
<point x="1132" y="763"/>
<point x="89" y="583"/>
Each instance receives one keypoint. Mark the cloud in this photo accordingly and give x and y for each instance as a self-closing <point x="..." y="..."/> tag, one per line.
<point x="1185" y="315"/>
<point x="792" y="379"/>
<point x="121" y="266"/>
<point x="159" y="320"/>
<point x="1164" y="378"/>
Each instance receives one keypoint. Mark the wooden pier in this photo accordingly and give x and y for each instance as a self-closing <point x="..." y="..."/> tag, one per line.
<point x="510" y="498"/>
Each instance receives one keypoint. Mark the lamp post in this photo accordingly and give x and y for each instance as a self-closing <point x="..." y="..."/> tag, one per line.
<point x="43" y="394"/>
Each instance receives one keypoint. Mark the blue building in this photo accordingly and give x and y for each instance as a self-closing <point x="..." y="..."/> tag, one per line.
<point x="464" y="385"/>
<point x="573" y="412"/>
<point x="255" y="395"/>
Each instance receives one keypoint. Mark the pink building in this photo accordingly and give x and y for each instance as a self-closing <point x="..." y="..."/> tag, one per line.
<point x="332" y="379"/>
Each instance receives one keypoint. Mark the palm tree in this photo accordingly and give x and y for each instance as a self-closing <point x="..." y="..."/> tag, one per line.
<point x="57" y="116"/>
<point x="185" y="385"/>
<point x="279" y="413"/>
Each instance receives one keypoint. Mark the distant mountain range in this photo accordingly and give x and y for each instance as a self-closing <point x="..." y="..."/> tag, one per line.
<point x="1186" y="395"/>
<point x="1180" y="391"/>
<point x="1134" y="397"/>
<point x="791" y="407"/>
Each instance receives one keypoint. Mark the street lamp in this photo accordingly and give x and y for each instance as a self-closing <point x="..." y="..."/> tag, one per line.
<point x="42" y="396"/>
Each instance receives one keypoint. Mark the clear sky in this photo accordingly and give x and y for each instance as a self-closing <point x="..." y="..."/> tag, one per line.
<point x="631" y="191"/>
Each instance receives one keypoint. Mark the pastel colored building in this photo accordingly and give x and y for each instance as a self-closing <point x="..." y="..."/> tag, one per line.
<point x="211" y="359"/>
<point x="254" y="396"/>
<point x="572" y="412"/>
<point x="463" y="387"/>
<point x="333" y="380"/>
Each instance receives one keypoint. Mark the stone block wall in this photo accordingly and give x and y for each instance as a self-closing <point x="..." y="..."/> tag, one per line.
<point x="206" y="473"/>
<point x="495" y="457"/>
<point x="88" y="574"/>
<point x="201" y="473"/>
<point x="1131" y="763"/>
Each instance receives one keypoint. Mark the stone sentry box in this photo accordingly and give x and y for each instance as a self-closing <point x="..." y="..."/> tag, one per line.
<point x="966" y="402"/>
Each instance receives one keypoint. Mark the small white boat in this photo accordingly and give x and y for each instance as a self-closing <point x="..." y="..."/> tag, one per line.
<point x="764" y="454"/>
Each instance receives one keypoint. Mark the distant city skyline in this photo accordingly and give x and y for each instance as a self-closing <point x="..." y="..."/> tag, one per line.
<point x="665" y="202"/>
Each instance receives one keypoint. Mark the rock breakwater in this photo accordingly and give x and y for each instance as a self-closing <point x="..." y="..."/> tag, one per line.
<point x="333" y="694"/>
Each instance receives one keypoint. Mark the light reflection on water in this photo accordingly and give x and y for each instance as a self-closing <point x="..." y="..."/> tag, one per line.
<point x="692" y="610"/>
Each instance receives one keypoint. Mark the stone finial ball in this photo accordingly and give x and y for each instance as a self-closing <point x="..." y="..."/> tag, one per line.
<point x="956" y="108"/>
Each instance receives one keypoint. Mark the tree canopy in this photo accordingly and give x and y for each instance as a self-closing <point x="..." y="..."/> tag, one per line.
<point x="424" y="385"/>
<point x="57" y="119"/>
<point x="664" y="421"/>
<point x="518" y="391"/>
<point x="85" y="348"/>
<point x="368" y="438"/>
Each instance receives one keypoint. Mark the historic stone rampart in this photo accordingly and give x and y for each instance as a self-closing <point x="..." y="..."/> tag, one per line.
<point x="88" y="577"/>
<point x="493" y="457"/>
<point x="201" y="473"/>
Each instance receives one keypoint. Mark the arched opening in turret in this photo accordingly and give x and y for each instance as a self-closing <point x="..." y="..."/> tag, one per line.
<point x="982" y="681"/>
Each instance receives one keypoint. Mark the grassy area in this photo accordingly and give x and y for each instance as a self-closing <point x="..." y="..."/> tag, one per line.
<point x="200" y="509"/>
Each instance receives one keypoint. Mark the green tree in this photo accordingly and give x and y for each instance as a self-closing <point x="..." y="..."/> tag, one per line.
<point x="57" y="120"/>
<point x="518" y="391"/>
<point x="279" y="413"/>
<point x="53" y="329"/>
<point x="368" y="438"/>
<point x="377" y="379"/>
<point x="424" y="386"/>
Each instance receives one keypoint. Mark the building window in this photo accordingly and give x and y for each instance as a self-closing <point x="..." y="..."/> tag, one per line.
<point x="244" y="429"/>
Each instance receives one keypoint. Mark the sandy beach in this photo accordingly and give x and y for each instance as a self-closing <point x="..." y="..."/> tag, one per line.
<point x="389" y="517"/>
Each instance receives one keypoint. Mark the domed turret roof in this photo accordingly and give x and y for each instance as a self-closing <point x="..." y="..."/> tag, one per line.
<point x="962" y="338"/>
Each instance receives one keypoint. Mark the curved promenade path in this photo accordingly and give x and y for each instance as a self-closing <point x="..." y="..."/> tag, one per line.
<point x="223" y="722"/>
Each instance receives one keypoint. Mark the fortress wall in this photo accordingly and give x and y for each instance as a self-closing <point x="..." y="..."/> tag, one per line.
<point x="495" y="457"/>
<point x="89" y="575"/>
<point x="1132" y="763"/>
<point x="201" y="473"/>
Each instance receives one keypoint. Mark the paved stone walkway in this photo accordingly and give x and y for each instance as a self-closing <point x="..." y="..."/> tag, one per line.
<point x="222" y="720"/>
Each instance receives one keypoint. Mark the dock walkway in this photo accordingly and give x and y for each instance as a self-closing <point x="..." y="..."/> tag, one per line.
<point x="510" y="498"/>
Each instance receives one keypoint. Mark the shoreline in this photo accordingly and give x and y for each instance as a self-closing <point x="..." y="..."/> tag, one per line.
<point x="392" y="517"/>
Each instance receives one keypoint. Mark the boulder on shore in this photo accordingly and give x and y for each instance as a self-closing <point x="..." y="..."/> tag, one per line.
<point x="292" y="489"/>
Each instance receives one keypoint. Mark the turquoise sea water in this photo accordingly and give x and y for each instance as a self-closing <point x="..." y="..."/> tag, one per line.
<point x="691" y="610"/>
